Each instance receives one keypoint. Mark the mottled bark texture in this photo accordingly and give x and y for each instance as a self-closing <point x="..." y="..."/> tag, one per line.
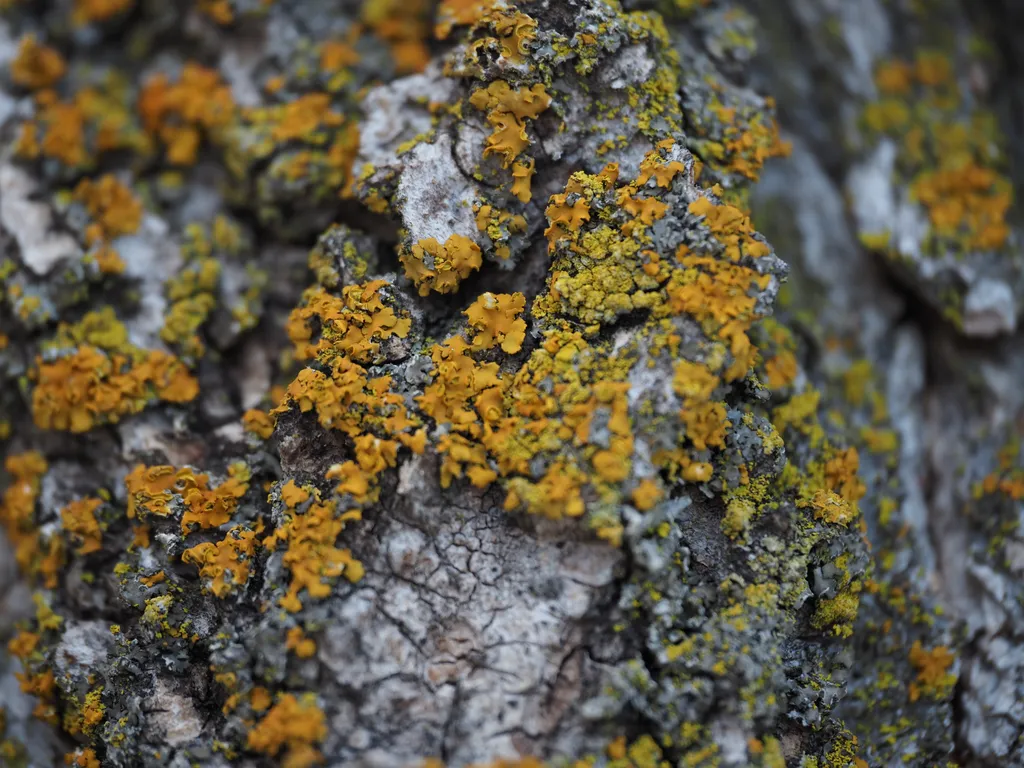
<point x="409" y="383"/>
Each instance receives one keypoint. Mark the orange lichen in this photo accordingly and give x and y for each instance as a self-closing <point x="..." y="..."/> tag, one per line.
<point x="567" y="212"/>
<point x="894" y="78"/>
<point x="22" y="645"/>
<point x="933" y="671"/>
<point x="453" y="13"/>
<point x="208" y="507"/>
<point x="180" y="114"/>
<point x="556" y="495"/>
<point x="294" y="725"/>
<point x="968" y="202"/>
<point x="82" y="758"/>
<point x="405" y="26"/>
<point x="107" y="260"/>
<point x="646" y="495"/>
<point x="433" y="266"/>
<point x="218" y="10"/>
<point x="89" y="11"/>
<point x="259" y="423"/>
<point x="653" y="166"/>
<point x="522" y="174"/>
<point x="152" y="489"/>
<point x="225" y="564"/>
<point x="63" y="132"/>
<point x="705" y="420"/>
<point x="35" y="554"/>
<point x="335" y="55"/>
<point x="744" y="139"/>
<point x="507" y="110"/>
<point x="311" y="555"/>
<point x="36" y="65"/>
<point x="949" y="156"/>
<point x="513" y="30"/>
<point x="296" y="640"/>
<point x="114" y="209"/>
<point x="496" y="319"/>
<point x="79" y="520"/>
<point x="832" y="508"/>
<point x="353" y="324"/>
<point x="932" y="68"/>
<point x="459" y="383"/>
<point x="79" y="391"/>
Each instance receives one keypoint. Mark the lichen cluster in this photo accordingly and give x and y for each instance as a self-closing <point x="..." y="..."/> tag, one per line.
<point x="529" y="391"/>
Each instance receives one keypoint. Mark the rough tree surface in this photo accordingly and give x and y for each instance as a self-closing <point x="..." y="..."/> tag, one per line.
<point x="410" y="383"/>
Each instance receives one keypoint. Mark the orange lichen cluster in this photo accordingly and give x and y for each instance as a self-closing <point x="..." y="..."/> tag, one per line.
<point x="80" y="523"/>
<point x="405" y="26"/>
<point x="933" y="671"/>
<point x="294" y="726"/>
<point x="453" y="13"/>
<point x="348" y="401"/>
<point x="461" y="394"/>
<point x="259" y="423"/>
<point x="499" y="226"/>
<point x="352" y="325"/>
<point x="90" y="11"/>
<point x="226" y="563"/>
<point x="180" y="114"/>
<point x="35" y="555"/>
<point x="950" y="155"/>
<point x="113" y="207"/>
<point x="36" y="66"/>
<point x="82" y="758"/>
<point x="96" y="119"/>
<point x="218" y="10"/>
<point x="970" y="200"/>
<point x="62" y="125"/>
<point x="780" y="368"/>
<point x="434" y="266"/>
<point x="81" y="390"/>
<point x="496" y="320"/>
<point x="717" y="293"/>
<point x="37" y="678"/>
<point x="501" y="30"/>
<point x="335" y="55"/>
<point x="151" y="491"/>
<point x="309" y="533"/>
<point x="325" y="142"/>
<point x="507" y="111"/>
<point x="703" y="417"/>
<point x="298" y="641"/>
<point x="496" y="427"/>
<point x="747" y="139"/>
